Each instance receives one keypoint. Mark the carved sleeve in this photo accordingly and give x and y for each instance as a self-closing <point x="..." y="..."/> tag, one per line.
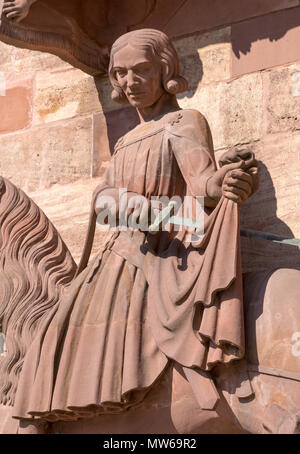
<point x="192" y="145"/>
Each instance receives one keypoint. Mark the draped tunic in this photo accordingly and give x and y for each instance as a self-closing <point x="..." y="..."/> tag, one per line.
<point x="144" y="300"/>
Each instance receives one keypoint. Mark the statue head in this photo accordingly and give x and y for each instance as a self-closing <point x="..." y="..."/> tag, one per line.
<point x="144" y="65"/>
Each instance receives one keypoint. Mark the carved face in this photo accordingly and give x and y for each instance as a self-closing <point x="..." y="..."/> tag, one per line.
<point x="138" y="73"/>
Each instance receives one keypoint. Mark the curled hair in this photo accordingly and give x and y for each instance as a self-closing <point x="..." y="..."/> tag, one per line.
<point x="162" y="48"/>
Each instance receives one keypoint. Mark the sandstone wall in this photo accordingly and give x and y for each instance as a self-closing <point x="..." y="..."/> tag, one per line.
<point x="58" y="124"/>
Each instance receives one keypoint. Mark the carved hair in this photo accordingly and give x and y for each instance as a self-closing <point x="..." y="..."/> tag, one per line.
<point x="162" y="48"/>
<point x="35" y="267"/>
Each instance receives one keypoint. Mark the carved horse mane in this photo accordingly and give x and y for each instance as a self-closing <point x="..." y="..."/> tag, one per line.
<point x="35" y="267"/>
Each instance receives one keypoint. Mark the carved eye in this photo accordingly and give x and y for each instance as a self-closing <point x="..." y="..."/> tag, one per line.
<point x="143" y="69"/>
<point x="121" y="72"/>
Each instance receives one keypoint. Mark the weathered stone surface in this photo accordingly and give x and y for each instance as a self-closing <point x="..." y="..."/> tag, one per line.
<point x="39" y="157"/>
<point x="282" y="97"/>
<point x="29" y="61"/>
<point x="266" y="41"/>
<point x="15" y="106"/>
<point x="234" y="109"/>
<point x="68" y="92"/>
<point x="6" y="53"/>
<point x="68" y="207"/>
<point x="64" y="94"/>
<point x="108" y="128"/>
<point x="205" y="57"/>
<point x="15" y="61"/>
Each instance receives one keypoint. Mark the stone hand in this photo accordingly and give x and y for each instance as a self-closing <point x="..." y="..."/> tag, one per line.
<point x="237" y="185"/>
<point x="238" y="155"/>
<point x="250" y="164"/>
<point x="235" y="181"/>
<point x="17" y="10"/>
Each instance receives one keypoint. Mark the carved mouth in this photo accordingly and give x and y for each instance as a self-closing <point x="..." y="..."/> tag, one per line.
<point x="136" y="94"/>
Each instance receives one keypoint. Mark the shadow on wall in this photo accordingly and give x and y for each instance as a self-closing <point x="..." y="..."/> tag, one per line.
<point x="273" y="27"/>
<point x="192" y="70"/>
<point x="260" y="213"/>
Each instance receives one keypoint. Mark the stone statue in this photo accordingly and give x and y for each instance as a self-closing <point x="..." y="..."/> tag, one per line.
<point x="102" y="321"/>
<point x="152" y="330"/>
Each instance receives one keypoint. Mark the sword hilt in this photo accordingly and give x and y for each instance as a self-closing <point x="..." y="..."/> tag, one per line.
<point x="162" y="216"/>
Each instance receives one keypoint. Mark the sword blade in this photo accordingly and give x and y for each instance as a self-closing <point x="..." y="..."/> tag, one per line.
<point x="270" y="237"/>
<point x="165" y="216"/>
<point x="186" y="222"/>
<point x="162" y="216"/>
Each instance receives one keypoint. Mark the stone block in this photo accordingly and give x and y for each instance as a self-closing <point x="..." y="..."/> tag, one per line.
<point x="234" y="109"/>
<point x="205" y="57"/>
<point x="15" y="61"/>
<point x="266" y="41"/>
<point x="63" y="94"/>
<point x="42" y="156"/>
<point x="194" y="15"/>
<point x="6" y="53"/>
<point x="30" y="61"/>
<point x="108" y="128"/>
<point x="275" y="207"/>
<point x="69" y="93"/>
<point x="282" y="97"/>
<point x="15" y="106"/>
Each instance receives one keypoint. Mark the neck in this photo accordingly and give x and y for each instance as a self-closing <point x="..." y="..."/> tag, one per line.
<point x="166" y="103"/>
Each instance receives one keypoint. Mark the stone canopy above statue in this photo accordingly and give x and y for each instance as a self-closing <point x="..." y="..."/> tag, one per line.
<point x="82" y="31"/>
<point x="79" y="31"/>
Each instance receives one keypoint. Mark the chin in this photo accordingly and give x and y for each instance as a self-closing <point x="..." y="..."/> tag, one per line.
<point x="136" y="104"/>
<point x="139" y="103"/>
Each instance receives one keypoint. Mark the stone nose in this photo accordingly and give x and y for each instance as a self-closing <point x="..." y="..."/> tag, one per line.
<point x="132" y="79"/>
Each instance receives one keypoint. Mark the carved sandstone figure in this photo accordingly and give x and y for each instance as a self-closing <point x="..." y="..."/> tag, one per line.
<point x="153" y="318"/>
<point x="147" y="302"/>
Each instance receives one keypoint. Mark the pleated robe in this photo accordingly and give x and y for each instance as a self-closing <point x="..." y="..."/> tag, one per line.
<point x="144" y="301"/>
